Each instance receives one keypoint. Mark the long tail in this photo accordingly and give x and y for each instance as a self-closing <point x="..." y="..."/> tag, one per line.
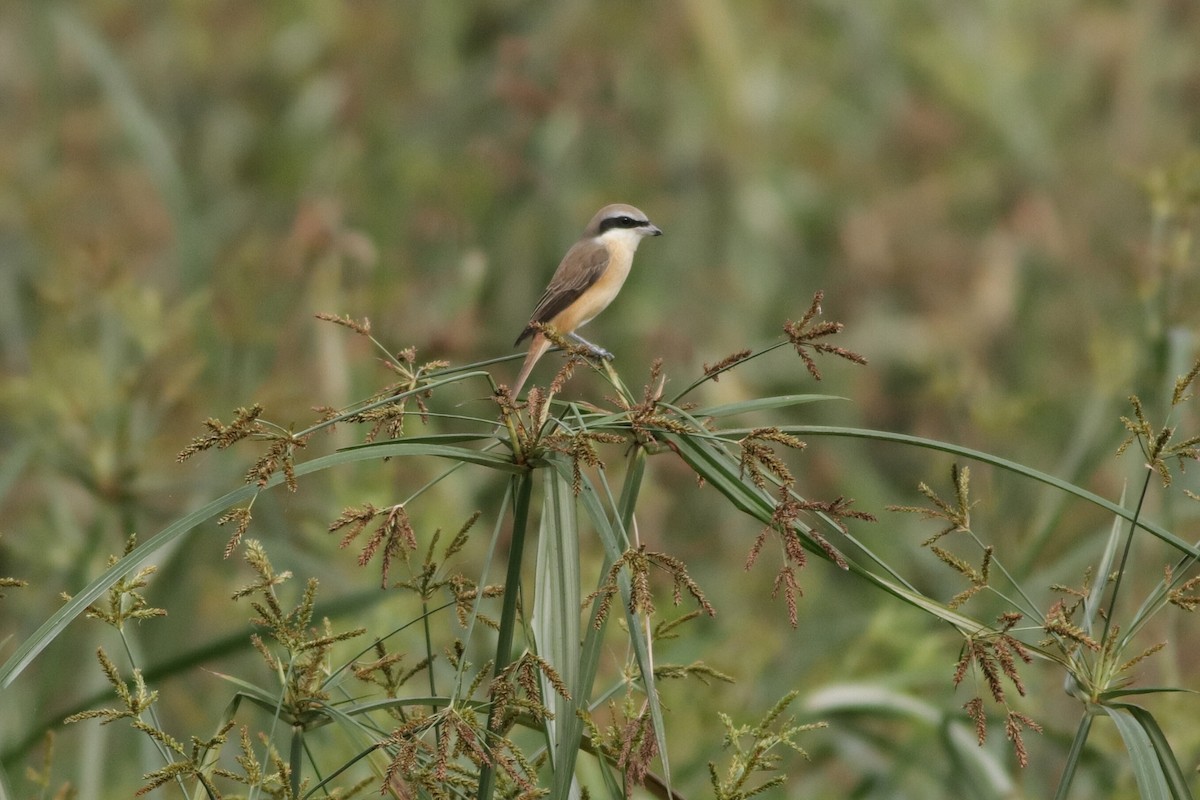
<point x="537" y="349"/>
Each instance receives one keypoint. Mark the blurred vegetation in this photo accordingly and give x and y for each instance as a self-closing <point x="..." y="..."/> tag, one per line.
<point x="998" y="199"/>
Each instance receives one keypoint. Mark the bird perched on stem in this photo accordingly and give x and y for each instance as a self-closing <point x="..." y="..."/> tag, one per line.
<point x="586" y="281"/>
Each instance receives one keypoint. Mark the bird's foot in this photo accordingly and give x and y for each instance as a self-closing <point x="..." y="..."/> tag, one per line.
<point x="596" y="350"/>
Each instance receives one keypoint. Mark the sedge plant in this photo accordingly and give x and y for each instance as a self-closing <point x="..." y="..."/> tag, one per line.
<point x="499" y="683"/>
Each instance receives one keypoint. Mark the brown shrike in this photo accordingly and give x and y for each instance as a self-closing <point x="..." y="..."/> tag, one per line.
<point x="586" y="281"/>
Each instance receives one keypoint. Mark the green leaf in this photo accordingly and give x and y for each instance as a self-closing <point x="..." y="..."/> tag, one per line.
<point x="522" y="488"/>
<point x="1115" y="693"/>
<point x="406" y="448"/>
<point x="556" y="608"/>
<point x="763" y="404"/>
<point x="721" y="471"/>
<point x="996" y="461"/>
<point x="615" y="542"/>
<point x="1168" y="765"/>
<point x="1074" y="756"/>
<point x="1152" y="782"/>
<point x="589" y="658"/>
<point x="52" y="627"/>
<point x="1092" y="605"/>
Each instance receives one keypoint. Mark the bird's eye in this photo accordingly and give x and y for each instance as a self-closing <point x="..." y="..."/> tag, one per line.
<point x="622" y="221"/>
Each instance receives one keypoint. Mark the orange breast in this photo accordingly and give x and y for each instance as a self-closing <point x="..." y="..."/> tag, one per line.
<point x="597" y="296"/>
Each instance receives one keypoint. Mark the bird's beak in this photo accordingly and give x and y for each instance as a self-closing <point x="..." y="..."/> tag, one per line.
<point x="653" y="230"/>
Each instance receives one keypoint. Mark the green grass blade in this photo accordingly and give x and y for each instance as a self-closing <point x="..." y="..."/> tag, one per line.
<point x="556" y="609"/>
<point x="722" y="472"/>
<point x="53" y="626"/>
<point x="762" y="404"/>
<point x="400" y="449"/>
<point x="589" y="656"/>
<point x="257" y="695"/>
<point x="1162" y="748"/>
<point x="1151" y="780"/>
<point x="434" y="438"/>
<point x="1074" y="756"/>
<point x="522" y="489"/>
<point x="1091" y="606"/>
<point x="615" y="542"/>
<point x="178" y="664"/>
<point x="996" y="461"/>
<point x="1116" y="693"/>
<point x="635" y="474"/>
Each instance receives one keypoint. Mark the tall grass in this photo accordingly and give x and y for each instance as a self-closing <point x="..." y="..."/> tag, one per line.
<point x="501" y="688"/>
<point x="1000" y="199"/>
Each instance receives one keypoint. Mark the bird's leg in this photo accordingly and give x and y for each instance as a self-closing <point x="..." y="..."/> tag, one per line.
<point x="597" y="351"/>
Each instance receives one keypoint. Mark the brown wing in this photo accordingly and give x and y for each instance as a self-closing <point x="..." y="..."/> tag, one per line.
<point x="581" y="267"/>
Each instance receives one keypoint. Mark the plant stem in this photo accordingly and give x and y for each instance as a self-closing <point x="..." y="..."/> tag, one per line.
<point x="1137" y="513"/>
<point x="1073" y="756"/>
<point x="523" y="487"/>
<point x="294" y="757"/>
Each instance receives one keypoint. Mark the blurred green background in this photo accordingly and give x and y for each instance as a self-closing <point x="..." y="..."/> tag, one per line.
<point x="998" y="199"/>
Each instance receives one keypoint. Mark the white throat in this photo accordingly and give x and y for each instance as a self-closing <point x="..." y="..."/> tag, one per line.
<point x="621" y="242"/>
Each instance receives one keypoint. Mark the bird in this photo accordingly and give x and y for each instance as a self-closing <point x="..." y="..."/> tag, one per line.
<point x="586" y="281"/>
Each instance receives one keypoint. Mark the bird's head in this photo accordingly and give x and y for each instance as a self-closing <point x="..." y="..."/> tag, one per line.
<point x="621" y="221"/>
